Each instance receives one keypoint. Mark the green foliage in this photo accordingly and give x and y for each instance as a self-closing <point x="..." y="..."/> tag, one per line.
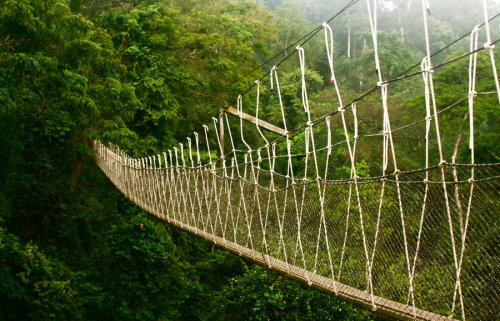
<point x="144" y="75"/>
<point x="261" y="295"/>
<point x="37" y="287"/>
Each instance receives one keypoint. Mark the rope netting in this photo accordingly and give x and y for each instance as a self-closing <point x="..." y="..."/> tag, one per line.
<point x="416" y="241"/>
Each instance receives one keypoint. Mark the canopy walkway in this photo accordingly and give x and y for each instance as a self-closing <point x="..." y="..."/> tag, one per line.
<point x="413" y="244"/>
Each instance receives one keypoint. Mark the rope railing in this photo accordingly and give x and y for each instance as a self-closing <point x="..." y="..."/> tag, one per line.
<point x="415" y="244"/>
<point x="254" y="221"/>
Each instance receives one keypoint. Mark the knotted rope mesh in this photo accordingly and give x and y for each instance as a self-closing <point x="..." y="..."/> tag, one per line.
<point x="417" y="241"/>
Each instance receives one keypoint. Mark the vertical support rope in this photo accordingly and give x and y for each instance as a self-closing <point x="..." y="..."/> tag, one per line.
<point x="489" y="46"/>
<point x="472" y="94"/>
<point x="322" y="223"/>
<point x="425" y="8"/>
<point x="263" y="223"/>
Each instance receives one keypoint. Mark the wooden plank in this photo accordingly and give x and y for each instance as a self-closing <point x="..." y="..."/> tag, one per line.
<point x="233" y="111"/>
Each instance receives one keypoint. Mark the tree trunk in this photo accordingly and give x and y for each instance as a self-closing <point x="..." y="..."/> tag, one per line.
<point x="348" y="38"/>
<point x="77" y="167"/>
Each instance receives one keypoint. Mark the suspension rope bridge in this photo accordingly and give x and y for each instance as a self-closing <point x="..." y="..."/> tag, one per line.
<point x="413" y="244"/>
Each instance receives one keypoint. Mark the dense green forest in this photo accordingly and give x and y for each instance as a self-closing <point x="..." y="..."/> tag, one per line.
<point x="146" y="74"/>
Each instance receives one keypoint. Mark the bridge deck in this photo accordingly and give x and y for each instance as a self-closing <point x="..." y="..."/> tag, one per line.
<point x="363" y="298"/>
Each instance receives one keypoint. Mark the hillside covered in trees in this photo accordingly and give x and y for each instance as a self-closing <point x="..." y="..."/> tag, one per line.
<point x="146" y="74"/>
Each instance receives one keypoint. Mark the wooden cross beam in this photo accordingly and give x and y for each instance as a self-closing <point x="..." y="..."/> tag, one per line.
<point x="263" y="124"/>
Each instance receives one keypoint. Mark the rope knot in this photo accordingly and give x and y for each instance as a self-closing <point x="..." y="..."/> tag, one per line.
<point x="442" y="163"/>
<point x="309" y="123"/>
<point x="426" y="181"/>
<point x="309" y="282"/>
<point x="471" y="180"/>
<point x="381" y="84"/>
<point x="488" y="46"/>
<point x="341" y="109"/>
<point x="472" y="93"/>
<point x="396" y="172"/>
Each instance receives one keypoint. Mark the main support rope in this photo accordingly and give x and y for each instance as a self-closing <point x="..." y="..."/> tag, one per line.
<point x="406" y="256"/>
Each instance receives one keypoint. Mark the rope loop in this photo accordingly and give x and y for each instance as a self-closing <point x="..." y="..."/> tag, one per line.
<point x="305" y="101"/>
<point x="271" y="75"/>
<point x="329" y="50"/>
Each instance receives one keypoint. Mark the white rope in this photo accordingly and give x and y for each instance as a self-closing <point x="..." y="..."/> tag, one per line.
<point x="234" y="164"/>
<point x="305" y="100"/>
<point x="329" y="53"/>
<point x="219" y="143"/>
<point x="489" y="46"/>
<point x="167" y="182"/>
<point x="198" y="176"/>
<point x="373" y="27"/>
<point x="426" y="71"/>
<point x="472" y="94"/>
<point x="263" y="222"/>
<point x="289" y="173"/>
<point x="425" y="8"/>
<point x="239" y="105"/>
<point x="305" y="103"/>
<point x="187" y="181"/>
<point x="355" y="118"/>
<point x="190" y="152"/>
